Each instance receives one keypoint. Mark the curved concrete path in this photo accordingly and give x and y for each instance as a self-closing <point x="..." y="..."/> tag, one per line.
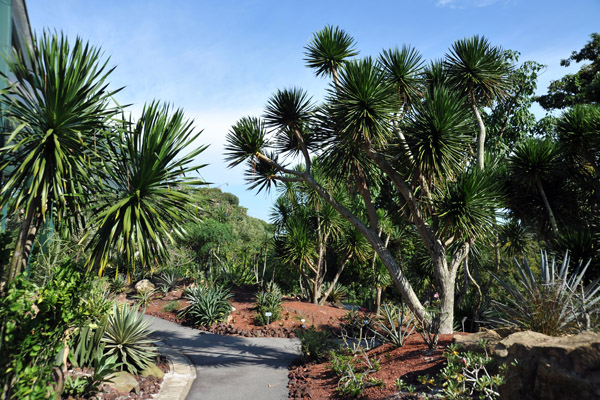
<point x="231" y="367"/>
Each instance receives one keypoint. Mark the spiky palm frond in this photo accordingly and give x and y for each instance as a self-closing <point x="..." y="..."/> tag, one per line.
<point x="578" y="129"/>
<point x="261" y="174"/>
<point x="476" y="67"/>
<point x="245" y="139"/>
<point x="535" y="160"/>
<point x="364" y="104"/>
<point x="328" y="50"/>
<point x="58" y="102"/>
<point x="468" y="207"/>
<point x="437" y="132"/>
<point x="146" y="199"/>
<point x="404" y="69"/>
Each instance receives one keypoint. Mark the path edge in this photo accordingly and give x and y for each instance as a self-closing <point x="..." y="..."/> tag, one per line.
<point x="178" y="381"/>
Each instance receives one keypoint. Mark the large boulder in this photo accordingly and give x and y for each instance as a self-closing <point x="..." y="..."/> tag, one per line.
<point x="546" y="367"/>
<point x="144" y="286"/>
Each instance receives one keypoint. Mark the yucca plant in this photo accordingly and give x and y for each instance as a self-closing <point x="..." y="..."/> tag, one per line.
<point x="554" y="304"/>
<point x="119" y="284"/>
<point x="268" y="302"/>
<point x="207" y="305"/>
<point x="338" y="293"/>
<point x="127" y="336"/>
<point x="87" y="345"/>
<point x="397" y="325"/>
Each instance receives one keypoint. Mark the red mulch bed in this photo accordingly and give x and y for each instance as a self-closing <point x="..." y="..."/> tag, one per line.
<point x="317" y="381"/>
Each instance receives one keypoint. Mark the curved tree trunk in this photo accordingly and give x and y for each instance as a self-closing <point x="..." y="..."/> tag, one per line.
<point x="482" y="133"/>
<point x="334" y="281"/>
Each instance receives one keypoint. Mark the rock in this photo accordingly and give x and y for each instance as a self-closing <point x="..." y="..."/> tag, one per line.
<point x="546" y="367"/>
<point x="472" y="342"/>
<point x="124" y="382"/>
<point x="144" y="285"/>
<point x="153" y="370"/>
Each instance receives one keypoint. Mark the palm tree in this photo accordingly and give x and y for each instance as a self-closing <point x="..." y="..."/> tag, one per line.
<point x="328" y="50"/>
<point x="147" y="199"/>
<point x="534" y="162"/>
<point x="481" y="72"/>
<point x="357" y="130"/>
<point x="577" y="131"/>
<point x="59" y="104"/>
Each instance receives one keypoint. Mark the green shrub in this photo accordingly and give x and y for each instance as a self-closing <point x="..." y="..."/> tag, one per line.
<point x="268" y="302"/>
<point x="354" y="373"/>
<point x="207" y="305"/>
<point x="171" y="306"/>
<point x="338" y="294"/>
<point x="556" y="303"/>
<point x="465" y="375"/>
<point x="86" y="344"/>
<point x="34" y="321"/>
<point x="127" y="336"/>
<point x="119" y="284"/>
<point x="316" y="345"/>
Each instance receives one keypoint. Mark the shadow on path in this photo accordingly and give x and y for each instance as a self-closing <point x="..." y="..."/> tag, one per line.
<point x="231" y="367"/>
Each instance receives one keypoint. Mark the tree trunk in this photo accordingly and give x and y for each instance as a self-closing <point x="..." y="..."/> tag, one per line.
<point x="400" y="280"/>
<point x="334" y="281"/>
<point x="548" y="208"/>
<point x="27" y="233"/>
<point x="379" y="289"/>
<point x="482" y="133"/>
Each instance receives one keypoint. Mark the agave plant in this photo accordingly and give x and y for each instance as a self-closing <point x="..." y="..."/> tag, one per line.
<point x="554" y="304"/>
<point x="398" y="324"/>
<point x="168" y="281"/>
<point x="207" y="305"/>
<point x="127" y="336"/>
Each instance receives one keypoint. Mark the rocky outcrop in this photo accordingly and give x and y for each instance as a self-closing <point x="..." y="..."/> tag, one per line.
<point x="546" y="367"/>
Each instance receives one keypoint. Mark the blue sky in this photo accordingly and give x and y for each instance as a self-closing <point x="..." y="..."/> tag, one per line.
<point x="221" y="60"/>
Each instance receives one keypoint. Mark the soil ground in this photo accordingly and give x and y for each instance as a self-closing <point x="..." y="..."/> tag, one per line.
<point x="317" y="381"/>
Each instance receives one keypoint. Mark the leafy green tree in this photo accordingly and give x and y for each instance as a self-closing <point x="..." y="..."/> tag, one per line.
<point x="145" y="202"/>
<point x="59" y="104"/>
<point x="448" y="203"/>
<point x="582" y="87"/>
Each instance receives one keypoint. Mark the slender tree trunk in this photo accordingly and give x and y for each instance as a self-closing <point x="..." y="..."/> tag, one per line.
<point x="548" y="208"/>
<point x="378" y="290"/>
<point x="27" y="233"/>
<point x="335" y="280"/>
<point x="400" y="280"/>
<point x="482" y="133"/>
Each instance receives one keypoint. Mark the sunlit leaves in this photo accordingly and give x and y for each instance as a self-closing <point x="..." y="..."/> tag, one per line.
<point x="476" y="67"/>
<point x="59" y="104"/>
<point x="146" y="201"/>
<point x="328" y="50"/>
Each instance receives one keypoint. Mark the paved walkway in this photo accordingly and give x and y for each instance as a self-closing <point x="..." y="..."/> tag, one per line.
<point x="231" y="367"/>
